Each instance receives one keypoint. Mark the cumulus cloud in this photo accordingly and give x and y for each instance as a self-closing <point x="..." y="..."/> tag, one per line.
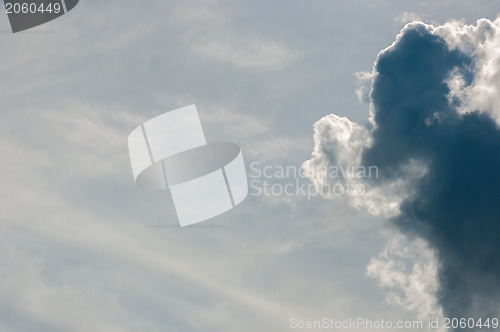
<point x="482" y="43"/>
<point x="337" y="161"/>
<point x="433" y="128"/>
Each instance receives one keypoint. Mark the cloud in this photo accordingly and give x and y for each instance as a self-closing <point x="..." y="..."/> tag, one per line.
<point x="434" y="128"/>
<point x="409" y="272"/>
<point x="407" y="17"/>
<point x="338" y="145"/>
<point x="210" y="33"/>
<point x="482" y="43"/>
<point x="246" y="51"/>
<point x="77" y="250"/>
<point x="363" y="82"/>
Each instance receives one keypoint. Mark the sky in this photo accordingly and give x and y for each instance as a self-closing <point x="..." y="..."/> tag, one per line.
<point x="293" y="83"/>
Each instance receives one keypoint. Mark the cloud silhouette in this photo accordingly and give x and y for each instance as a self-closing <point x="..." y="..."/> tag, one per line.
<point x="431" y="109"/>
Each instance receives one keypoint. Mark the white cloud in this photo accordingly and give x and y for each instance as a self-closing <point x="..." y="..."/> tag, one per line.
<point x="338" y="141"/>
<point x="364" y="85"/>
<point x="246" y="51"/>
<point x="255" y="133"/>
<point x="482" y="42"/>
<point x="407" y="270"/>
<point x="407" y="17"/>
<point x="338" y="144"/>
<point x="210" y="32"/>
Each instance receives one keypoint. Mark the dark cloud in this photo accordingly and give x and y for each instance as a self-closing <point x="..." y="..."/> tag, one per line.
<point x="456" y="205"/>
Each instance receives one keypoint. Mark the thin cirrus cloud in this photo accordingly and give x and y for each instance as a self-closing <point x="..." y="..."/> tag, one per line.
<point x="434" y="136"/>
<point x="247" y="52"/>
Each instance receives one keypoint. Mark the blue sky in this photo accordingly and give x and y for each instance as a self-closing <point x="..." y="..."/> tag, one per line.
<point x="77" y="250"/>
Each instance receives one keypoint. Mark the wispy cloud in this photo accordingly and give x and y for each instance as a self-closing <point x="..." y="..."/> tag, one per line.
<point x="246" y="51"/>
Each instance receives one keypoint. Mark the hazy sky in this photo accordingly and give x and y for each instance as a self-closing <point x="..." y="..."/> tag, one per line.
<point x="78" y="247"/>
